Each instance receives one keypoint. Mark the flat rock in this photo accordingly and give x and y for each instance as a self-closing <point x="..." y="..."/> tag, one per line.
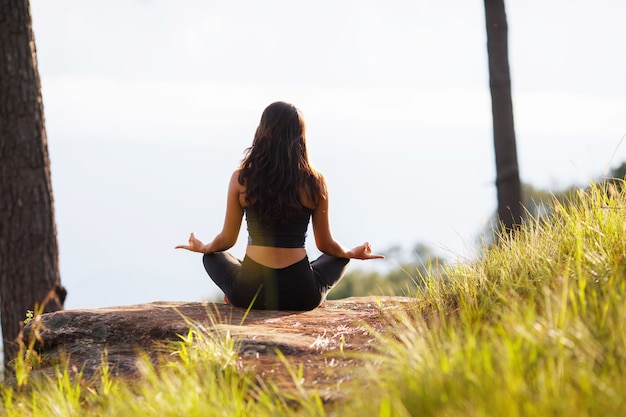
<point x="123" y="332"/>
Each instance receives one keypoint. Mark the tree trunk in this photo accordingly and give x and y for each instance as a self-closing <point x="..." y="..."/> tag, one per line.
<point x="508" y="184"/>
<point x="29" y="267"/>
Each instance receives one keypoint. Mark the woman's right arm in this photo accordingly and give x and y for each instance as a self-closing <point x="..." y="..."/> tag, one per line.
<point x="232" y="223"/>
<point x="323" y="236"/>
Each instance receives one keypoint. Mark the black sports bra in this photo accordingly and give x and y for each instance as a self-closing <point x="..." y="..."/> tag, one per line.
<point x="283" y="235"/>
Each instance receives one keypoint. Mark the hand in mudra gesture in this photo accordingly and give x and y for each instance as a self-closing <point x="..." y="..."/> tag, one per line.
<point x="364" y="251"/>
<point x="195" y="244"/>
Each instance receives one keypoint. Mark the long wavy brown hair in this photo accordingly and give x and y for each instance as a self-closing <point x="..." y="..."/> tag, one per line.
<point x="275" y="169"/>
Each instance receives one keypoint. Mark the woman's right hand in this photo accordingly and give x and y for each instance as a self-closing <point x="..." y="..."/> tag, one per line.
<point x="195" y="244"/>
<point x="364" y="252"/>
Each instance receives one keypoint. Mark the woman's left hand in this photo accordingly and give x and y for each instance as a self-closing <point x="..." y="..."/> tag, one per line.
<point x="364" y="251"/>
<point x="195" y="244"/>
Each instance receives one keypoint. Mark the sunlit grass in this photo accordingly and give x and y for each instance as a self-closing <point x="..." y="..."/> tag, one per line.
<point x="535" y="327"/>
<point x="200" y="377"/>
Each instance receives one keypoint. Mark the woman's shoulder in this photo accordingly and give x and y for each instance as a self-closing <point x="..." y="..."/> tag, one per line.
<point x="321" y="180"/>
<point x="237" y="188"/>
<point x="235" y="174"/>
<point x="234" y="179"/>
<point x="311" y="195"/>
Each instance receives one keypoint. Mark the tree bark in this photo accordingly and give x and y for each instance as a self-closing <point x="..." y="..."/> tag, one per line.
<point x="510" y="211"/>
<point x="29" y="267"/>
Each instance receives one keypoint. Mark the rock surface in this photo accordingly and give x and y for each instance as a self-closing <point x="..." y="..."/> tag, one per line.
<point x="303" y="337"/>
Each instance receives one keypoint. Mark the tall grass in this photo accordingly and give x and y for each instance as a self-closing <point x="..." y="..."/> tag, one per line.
<point x="535" y="327"/>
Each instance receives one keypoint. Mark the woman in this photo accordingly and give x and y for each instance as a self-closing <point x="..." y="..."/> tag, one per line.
<point x="279" y="191"/>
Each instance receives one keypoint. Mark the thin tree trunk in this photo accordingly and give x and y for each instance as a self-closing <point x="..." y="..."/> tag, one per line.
<point x="29" y="268"/>
<point x="508" y="183"/>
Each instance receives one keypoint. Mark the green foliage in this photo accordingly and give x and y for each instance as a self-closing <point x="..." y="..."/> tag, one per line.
<point x="540" y="203"/>
<point x="535" y="327"/>
<point x="403" y="280"/>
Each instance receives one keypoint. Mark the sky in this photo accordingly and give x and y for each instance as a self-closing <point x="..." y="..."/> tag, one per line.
<point x="150" y="104"/>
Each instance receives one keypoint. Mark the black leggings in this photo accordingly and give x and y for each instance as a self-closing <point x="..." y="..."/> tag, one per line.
<point x="299" y="287"/>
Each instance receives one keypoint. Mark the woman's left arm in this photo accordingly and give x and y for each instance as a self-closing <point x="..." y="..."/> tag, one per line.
<point x="227" y="238"/>
<point x="324" y="239"/>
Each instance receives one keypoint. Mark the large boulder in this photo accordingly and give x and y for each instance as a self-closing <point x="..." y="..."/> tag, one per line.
<point x="83" y="336"/>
